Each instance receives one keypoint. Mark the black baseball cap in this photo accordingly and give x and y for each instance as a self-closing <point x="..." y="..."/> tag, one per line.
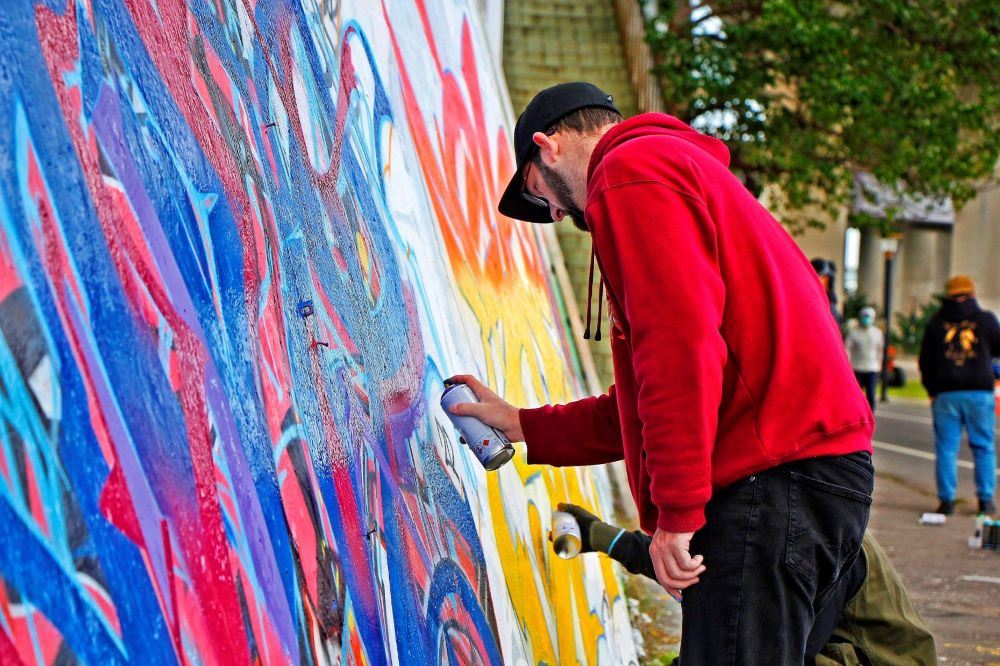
<point x="541" y="113"/>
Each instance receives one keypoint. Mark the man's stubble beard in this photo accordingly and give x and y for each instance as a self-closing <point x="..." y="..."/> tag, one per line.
<point x="560" y="186"/>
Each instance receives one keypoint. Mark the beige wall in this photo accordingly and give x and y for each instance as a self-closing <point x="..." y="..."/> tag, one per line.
<point x="920" y="268"/>
<point x="976" y="246"/>
<point x="827" y="243"/>
<point x="927" y="256"/>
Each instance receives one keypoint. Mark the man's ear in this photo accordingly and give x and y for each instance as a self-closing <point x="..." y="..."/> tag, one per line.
<point x="548" y="147"/>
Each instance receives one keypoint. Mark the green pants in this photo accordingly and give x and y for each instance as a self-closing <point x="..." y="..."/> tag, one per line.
<point x="879" y="625"/>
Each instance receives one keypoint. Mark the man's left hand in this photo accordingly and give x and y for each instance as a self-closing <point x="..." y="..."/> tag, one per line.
<point x="675" y="568"/>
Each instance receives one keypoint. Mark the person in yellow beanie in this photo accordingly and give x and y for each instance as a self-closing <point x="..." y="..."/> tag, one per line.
<point x="956" y="368"/>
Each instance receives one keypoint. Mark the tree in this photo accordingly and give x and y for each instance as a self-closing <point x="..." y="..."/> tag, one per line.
<point x="807" y="92"/>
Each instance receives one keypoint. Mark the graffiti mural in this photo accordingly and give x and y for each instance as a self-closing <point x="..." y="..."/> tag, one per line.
<point x="241" y="244"/>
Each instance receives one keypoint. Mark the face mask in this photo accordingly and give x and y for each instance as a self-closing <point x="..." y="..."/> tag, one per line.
<point x="866" y="321"/>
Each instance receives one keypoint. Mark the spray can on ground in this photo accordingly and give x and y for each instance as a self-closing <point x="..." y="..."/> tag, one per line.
<point x="489" y="444"/>
<point x="566" y="539"/>
<point x="976" y="540"/>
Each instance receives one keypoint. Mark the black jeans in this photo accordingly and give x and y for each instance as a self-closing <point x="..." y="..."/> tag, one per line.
<point x="869" y="382"/>
<point x="631" y="549"/>
<point x="776" y="546"/>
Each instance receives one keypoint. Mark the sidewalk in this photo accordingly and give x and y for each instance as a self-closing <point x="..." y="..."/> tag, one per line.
<point x="955" y="588"/>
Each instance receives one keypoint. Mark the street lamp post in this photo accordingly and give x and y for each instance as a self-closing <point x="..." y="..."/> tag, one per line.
<point x="889" y="247"/>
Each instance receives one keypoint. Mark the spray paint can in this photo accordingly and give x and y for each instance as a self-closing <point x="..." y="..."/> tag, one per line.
<point x="489" y="444"/>
<point x="976" y="540"/>
<point x="566" y="539"/>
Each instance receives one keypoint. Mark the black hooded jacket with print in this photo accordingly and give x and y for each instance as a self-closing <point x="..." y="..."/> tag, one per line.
<point x="958" y="349"/>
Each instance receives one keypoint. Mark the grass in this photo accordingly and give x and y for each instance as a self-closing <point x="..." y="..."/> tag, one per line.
<point x="912" y="389"/>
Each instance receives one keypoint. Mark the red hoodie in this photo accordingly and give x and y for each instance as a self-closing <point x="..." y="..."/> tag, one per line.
<point x="727" y="361"/>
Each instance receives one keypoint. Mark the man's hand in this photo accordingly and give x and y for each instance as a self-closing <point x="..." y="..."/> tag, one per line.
<point x="672" y="561"/>
<point x="491" y="409"/>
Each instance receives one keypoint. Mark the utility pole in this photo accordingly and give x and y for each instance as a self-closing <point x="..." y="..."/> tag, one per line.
<point x="889" y="247"/>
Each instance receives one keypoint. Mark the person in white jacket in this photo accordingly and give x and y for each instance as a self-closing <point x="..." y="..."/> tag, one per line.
<point x="864" y="347"/>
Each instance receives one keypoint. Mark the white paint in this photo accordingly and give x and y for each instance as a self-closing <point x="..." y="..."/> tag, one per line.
<point x="923" y="420"/>
<point x="915" y="453"/>
<point x="42" y="386"/>
<point x="981" y="579"/>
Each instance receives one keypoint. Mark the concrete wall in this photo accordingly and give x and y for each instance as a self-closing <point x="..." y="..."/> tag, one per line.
<point x="920" y="266"/>
<point x="927" y="255"/>
<point x="827" y="243"/>
<point x="238" y="254"/>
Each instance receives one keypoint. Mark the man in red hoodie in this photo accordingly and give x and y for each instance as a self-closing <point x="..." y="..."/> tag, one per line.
<point x="746" y="440"/>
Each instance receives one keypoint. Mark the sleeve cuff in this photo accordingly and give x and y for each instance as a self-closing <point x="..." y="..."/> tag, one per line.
<point x="681" y="519"/>
<point x="540" y="447"/>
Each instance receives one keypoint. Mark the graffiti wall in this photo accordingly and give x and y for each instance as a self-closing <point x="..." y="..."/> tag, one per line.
<point x="241" y="244"/>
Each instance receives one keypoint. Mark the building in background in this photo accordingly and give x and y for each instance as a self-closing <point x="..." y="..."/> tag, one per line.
<point x="934" y="243"/>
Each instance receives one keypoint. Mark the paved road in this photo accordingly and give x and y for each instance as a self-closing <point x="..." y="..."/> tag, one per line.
<point x="904" y="443"/>
<point x="956" y="589"/>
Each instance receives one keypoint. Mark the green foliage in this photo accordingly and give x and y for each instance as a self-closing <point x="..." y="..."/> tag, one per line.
<point x="909" y="330"/>
<point x="853" y="304"/>
<point x="806" y="92"/>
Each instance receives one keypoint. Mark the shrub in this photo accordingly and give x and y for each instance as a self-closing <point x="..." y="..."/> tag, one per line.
<point x="909" y="330"/>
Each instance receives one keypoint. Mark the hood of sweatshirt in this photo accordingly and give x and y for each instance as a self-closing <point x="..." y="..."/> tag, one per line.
<point x="643" y="125"/>
<point x="652" y="124"/>
<point x="952" y="310"/>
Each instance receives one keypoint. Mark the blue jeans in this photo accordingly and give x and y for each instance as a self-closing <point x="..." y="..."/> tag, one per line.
<point x="976" y="410"/>
<point x="777" y="546"/>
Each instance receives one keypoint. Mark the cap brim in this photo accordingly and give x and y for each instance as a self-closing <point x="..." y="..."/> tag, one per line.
<point x="512" y="204"/>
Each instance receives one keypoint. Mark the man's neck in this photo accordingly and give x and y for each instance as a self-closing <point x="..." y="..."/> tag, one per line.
<point x="589" y="141"/>
<point x="584" y="151"/>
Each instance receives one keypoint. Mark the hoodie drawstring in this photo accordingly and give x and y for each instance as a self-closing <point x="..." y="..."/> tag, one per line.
<point x="600" y="305"/>
<point x="590" y="293"/>
<point x="590" y="297"/>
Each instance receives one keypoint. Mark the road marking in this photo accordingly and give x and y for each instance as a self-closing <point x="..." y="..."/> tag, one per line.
<point x="922" y="420"/>
<point x="925" y="420"/>
<point x="982" y="579"/>
<point x="916" y="453"/>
